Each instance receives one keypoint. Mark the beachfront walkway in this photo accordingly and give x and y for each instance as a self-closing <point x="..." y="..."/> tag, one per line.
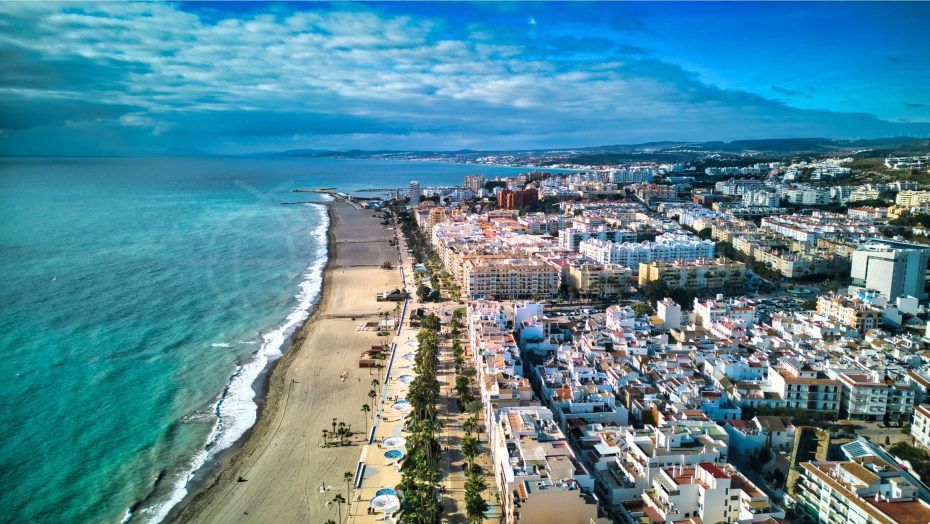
<point x="380" y="459"/>
<point x="376" y="471"/>
<point x="379" y="464"/>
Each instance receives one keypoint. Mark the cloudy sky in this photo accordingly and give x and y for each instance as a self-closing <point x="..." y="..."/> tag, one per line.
<point x="119" y="78"/>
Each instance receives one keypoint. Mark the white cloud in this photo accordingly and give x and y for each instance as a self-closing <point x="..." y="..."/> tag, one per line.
<point x="160" y="62"/>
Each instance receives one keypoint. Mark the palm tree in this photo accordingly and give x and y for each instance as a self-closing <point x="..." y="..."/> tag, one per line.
<point x="470" y="448"/>
<point x="375" y="383"/>
<point x="475" y="505"/>
<point x="348" y="476"/>
<point x="470" y="425"/>
<point x="366" y="409"/>
<point x="475" y="408"/>
<point x="334" y="425"/>
<point x="372" y="394"/>
<point x="339" y="500"/>
<point x="325" y="437"/>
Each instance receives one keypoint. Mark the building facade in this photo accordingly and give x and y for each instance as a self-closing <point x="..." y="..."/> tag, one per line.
<point x="695" y="275"/>
<point x="892" y="268"/>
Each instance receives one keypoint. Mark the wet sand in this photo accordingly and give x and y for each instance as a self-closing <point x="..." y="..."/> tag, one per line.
<point x="281" y="459"/>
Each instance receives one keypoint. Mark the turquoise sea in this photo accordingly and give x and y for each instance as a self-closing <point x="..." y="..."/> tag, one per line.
<point x="140" y="299"/>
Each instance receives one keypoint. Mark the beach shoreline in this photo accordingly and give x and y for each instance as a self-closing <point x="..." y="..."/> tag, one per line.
<point x="212" y="472"/>
<point x="297" y="379"/>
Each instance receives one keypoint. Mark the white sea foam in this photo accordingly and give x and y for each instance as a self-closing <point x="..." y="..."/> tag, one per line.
<point x="221" y="345"/>
<point x="236" y="410"/>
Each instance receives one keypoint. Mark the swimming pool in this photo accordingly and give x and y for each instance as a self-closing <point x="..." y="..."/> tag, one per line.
<point x="393" y="454"/>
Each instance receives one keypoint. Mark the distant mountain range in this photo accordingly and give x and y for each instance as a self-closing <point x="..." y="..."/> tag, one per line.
<point x="665" y="151"/>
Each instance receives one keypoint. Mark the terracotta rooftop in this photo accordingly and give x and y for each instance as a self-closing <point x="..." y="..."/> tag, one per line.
<point x="903" y="512"/>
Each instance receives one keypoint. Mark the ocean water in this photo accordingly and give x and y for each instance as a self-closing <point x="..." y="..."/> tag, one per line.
<point x="141" y="297"/>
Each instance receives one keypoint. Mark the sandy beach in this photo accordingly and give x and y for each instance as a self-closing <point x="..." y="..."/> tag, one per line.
<point x="281" y="460"/>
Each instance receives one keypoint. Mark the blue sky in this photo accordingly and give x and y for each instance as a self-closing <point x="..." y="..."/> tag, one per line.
<point x="134" y="78"/>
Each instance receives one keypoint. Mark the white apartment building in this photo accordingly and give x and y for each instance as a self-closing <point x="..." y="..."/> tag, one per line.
<point x="700" y="274"/>
<point x="907" y="162"/>
<point x="869" y="491"/>
<point x="707" y="312"/>
<point x="536" y="223"/>
<point x="912" y="198"/>
<point x="810" y="228"/>
<point x="869" y="396"/>
<point x="665" y="248"/>
<point x="570" y="238"/>
<point x="669" y="312"/>
<point x="803" y="388"/>
<point x="631" y="175"/>
<point x="863" y="193"/>
<point x="539" y="477"/>
<point x="920" y="426"/>
<point x="708" y="492"/>
<point x="761" y="198"/>
<point x="697" y="218"/>
<point x="598" y="280"/>
<point x="640" y="454"/>
<point x="510" y="278"/>
<point x="474" y="183"/>
<point x="414" y="192"/>
<point x="806" y="196"/>
<point x="892" y="268"/>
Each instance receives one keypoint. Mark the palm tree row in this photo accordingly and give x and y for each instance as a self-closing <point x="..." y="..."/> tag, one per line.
<point x="475" y="485"/>
<point x="341" y="433"/>
<point x="475" y="505"/>
<point x="420" y="473"/>
<point x="372" y="394"/>
<point x="458" y="352"/>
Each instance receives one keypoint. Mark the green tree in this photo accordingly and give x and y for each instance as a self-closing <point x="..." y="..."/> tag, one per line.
<point x="474" y="407"/>
<point x="470" y="449"/>
<point x="366" y="409"/>
<point x="475" y="505"/>
<point x="641" y="308"/>
<point x="348" y="476"/>
<point x="431" y="322"/>
<point x="462" y="386"/>
<point x="470" y="425"/>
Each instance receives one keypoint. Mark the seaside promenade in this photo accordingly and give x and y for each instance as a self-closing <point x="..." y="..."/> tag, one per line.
<point x="378" y="470"/>
<point x="281" y="473"/>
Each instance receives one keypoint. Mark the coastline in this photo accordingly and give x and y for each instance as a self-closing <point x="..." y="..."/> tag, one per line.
<point x="281" y="428"/>
<point x="214" y="471"/>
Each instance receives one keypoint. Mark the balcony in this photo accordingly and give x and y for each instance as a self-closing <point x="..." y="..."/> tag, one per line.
<point x="668" y="510"/>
